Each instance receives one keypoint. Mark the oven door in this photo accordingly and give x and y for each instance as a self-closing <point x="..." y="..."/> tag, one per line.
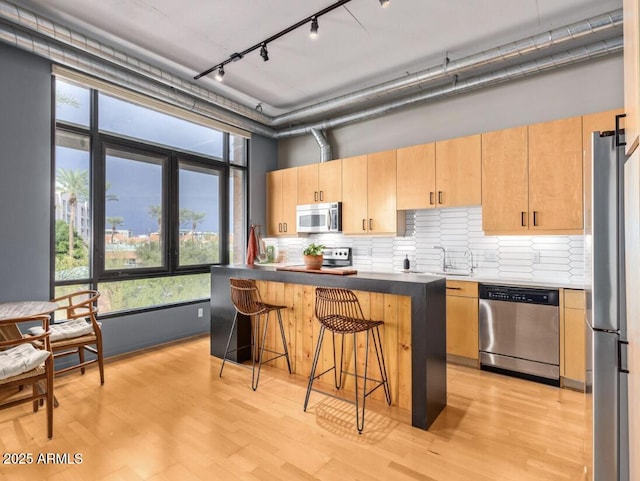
<point x="313" y="218"/>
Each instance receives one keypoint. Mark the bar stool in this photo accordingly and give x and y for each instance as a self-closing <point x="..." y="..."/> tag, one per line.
<point x="339" y="312"/>
<point x="246" y="299"/>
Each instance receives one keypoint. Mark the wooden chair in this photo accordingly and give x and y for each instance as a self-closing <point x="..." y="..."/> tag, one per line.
<point x="246" y="299"/>
<point x="78" y="305"/>
<point x="40" y="376"/>
<point x="338" y="311"/>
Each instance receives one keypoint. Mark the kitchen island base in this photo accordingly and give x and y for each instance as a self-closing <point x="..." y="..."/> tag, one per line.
<point x="414" y="333"/>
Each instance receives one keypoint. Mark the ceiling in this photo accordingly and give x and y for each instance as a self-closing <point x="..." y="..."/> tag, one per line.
<point x="359" y="44"/>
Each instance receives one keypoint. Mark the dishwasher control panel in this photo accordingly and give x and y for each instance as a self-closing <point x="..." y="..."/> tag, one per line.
<point x="519" y="294"/>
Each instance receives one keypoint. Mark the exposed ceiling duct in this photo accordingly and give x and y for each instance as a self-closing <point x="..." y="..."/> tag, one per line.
<point x="325" y="147"/>
<point x="588" y="52"/>
<point x="63" y="46"/>
<point x="486" y="58"/>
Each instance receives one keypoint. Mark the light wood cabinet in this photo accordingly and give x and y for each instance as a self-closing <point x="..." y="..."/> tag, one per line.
<point x="505" y="181"/>
<point x="369" y="194"/>
<point x="574" y="335"/>
<point x="462" y="319"/>
<point x="631" y="31"/>
<point x="416" y="177"/>
<point x="458" y="171"/>
<point x="320" y="182"/>
<point x="282" y="193"/>
<point x="555" y="175"/>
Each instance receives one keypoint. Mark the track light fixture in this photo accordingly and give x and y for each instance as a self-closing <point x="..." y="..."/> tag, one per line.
<point x="264" y="53"/>
<point x="220" y="74"/>
<point x="384" y="3"/>
<point x="314" y="28"/>
<point x="219" y="67"/>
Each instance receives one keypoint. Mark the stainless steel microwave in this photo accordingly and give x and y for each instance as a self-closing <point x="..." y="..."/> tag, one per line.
<point x="317" y="218"/>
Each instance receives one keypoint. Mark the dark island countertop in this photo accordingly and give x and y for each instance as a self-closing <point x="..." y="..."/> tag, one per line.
<point x="428" y="322"/>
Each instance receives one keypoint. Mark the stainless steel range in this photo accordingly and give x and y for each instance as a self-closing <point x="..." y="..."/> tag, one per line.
<point x="337" y="257"/>
<point x="520" y="331"/>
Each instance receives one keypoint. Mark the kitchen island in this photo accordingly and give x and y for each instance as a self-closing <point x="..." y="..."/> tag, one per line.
<point x="412" y="306"/>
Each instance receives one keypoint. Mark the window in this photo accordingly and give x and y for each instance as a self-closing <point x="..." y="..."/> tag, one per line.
<point x="147" y="201"/>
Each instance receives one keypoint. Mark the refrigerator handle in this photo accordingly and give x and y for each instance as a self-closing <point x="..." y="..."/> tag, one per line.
<point x="618" y="142"/>
<point x="620" y="357"/>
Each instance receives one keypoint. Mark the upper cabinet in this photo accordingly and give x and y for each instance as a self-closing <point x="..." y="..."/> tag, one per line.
<point x="282" y="191"/>
<point x="416" y="177"/>
<point x="505" y="181"/>
<point x="458" y="172"/>
<point x="631" y="22"/>
<point x="532" y="179"/>
<point x="369" y="194"/>
<point x="440" y="174"/>
<point x="555" y="175"/>
<point x="320" y="182"/>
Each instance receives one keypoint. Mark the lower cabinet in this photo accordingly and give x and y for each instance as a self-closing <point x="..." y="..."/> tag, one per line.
<point x="573" y="368"/>
<point x="462" y="321"/>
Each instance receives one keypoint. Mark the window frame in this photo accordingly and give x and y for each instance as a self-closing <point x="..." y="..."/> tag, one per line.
<point x="99" y="143"/>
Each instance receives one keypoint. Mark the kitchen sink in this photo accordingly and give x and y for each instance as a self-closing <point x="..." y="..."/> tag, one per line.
<point x="447" y="274"/>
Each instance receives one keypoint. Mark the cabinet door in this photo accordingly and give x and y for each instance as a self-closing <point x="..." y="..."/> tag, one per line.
<point x="381" y="205"/>
<point x="308" y="184"/>
<point x="274" y="203"/>
<point x="458" y="171"/>
<point x="330" y="181"/>
<point x="574" y="352"/>
<point x="555" y="175"/>
<point x="289" y="200"/>
<point x="354" y="195"/>
<point x="416" y="177"/>
<point x="462" y="326"/>
<point x="505" y="181"/>
<point x="631" y="31"/>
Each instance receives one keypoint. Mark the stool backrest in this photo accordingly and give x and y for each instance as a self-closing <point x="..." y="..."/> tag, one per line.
<point x="336" y="301"/>
<point x="245" y="296"/>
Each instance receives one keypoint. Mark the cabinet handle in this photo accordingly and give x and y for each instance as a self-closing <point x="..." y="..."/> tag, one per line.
<point x="439" y="197"/>
<point x="285" y="226"/>
<point x="321" y="195"/>
<point x="315" y="196"/>
<point x="454" y="288"/>
<point x="364" y="225"/>
<point x="279" y="226"/>
<point x="370" y="224"/>
<point x="523" y="218"/>
<point x="431" y="198"/>
<point x="535" y="218"/>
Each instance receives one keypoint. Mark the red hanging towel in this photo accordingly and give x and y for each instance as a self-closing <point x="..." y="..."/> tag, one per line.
<point x="252" y="247"/>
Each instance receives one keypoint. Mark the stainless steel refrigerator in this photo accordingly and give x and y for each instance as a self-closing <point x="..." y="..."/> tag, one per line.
<point x="606" y="378"/>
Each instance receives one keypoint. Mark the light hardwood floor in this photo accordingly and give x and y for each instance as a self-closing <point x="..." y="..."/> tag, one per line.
<point x="166" y="415"/>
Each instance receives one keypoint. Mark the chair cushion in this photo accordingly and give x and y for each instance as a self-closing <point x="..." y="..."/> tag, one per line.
<point x="20" y="359"/>
<point x="65" y="330"/>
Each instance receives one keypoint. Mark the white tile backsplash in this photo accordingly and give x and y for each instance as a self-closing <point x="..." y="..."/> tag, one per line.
<point x="544" y="258"/>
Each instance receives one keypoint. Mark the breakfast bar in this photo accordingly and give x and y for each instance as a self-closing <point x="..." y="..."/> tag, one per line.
<point x="413" y="307"/>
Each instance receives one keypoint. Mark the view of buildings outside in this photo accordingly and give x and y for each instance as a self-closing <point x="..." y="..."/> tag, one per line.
<point x="134" y="199"/>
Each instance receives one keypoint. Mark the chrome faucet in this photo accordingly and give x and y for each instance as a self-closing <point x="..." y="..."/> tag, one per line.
<point x="444" y="257"/>
<point x="469" y="254"/>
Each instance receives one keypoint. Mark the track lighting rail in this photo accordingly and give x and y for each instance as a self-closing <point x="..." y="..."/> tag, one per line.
<point x="238" y="55"/>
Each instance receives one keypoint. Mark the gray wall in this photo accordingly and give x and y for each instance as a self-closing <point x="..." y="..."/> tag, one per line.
<point x="25" y="175"/>
<point x="584" y="88"/>
<point x="25" y="209"/>
<point x="263" y="158"/>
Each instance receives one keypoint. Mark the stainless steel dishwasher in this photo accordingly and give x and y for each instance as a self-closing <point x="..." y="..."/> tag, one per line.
<point x="520" y="331"/>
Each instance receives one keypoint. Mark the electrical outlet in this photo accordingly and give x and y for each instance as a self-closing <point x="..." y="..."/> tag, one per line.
<point x="535" y="257"/>
<point x="200" y="312"/>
